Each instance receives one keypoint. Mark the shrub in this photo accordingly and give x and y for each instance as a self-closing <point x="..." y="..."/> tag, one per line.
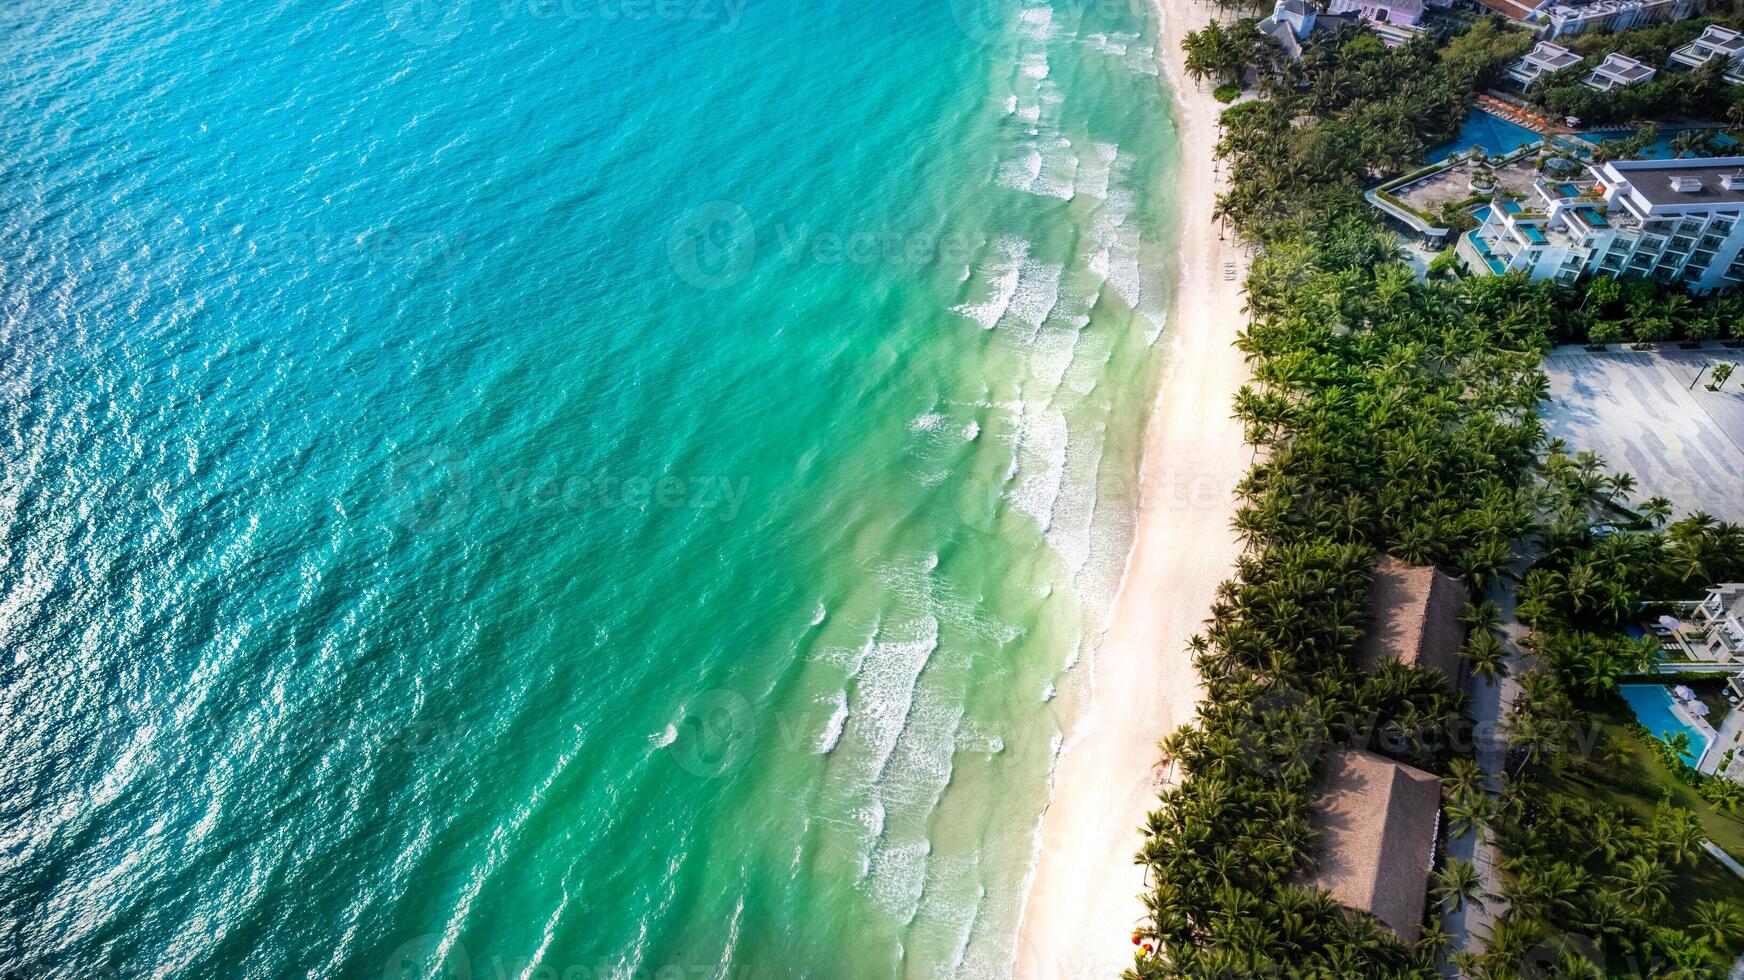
<point x="1227" y="92"/>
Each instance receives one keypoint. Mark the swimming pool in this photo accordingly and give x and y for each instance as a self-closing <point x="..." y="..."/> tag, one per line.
<point x="1496" y="135"/>
<point x="1652" y="706"/>
<point x="1659" y="149"/>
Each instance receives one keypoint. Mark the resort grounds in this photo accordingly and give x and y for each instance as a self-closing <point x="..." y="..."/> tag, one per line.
<point x="1637" y="409"/>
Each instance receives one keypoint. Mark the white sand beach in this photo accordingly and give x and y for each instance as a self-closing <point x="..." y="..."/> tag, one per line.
<point x="1085" y="898"/>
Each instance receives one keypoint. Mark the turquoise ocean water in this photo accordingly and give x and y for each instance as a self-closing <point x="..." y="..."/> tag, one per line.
<point x="513" y="488"/>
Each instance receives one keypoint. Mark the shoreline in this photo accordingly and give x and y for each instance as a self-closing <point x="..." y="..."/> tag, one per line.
<point x="1084" y="896"/>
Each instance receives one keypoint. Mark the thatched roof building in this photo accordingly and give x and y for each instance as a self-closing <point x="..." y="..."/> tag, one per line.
<point x="1413" y="618"/>
<point x="1377" y="824"/>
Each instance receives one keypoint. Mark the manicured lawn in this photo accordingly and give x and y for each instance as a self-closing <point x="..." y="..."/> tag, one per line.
<point x="1639" y="784"/>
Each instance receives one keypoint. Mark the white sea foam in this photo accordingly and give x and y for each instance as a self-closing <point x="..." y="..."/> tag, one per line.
<point x="1058" y="172"/>
<point x="1001" y="273"/>
<point x="664" y="737"/>
<point x="1037" y="23"/>
<point x="1042" y="445"/>
<point x="818" y="616"/>
<point x="1049" y="693"/>
<point x="1093" y="171"/>
<point x="1074" y="512"/>
<point x="972" y="431"/>
<point x="872" y="815"/>
<point x="1020" y="174"/>
<point x="926" y="422"/>
<point x="1038" y="286"/>
<point x="885" y="689"/>
<point x="898" y="876"/>
<point x="832" y="732"/>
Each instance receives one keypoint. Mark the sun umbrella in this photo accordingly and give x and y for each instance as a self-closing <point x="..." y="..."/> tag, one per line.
<point x="1683" y="693"/>
<point x="1698" y="709"/>
<point x="1670" y="622"/>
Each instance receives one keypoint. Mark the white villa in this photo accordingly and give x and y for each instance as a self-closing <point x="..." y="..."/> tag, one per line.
<point x="1618" y="70"/>
<point x="1556" y="18"/>
<point x="1721" y="617"/>
<point x="1291" y="21"/>
<point x="1394" y="20"/>
<point x="1545" y="58"/>
<point x="1715" y="42"/>
<point x="1676" y="221"/>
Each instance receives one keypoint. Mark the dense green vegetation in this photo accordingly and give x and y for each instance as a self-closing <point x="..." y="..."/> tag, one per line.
<point x="1606" y="310"/>
<point x="1350" y="110"/>
<point x="1391" y="416"/>
<point x="1591" y="879"/>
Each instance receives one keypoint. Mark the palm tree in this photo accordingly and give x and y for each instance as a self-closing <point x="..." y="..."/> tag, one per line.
<point x="1720" y="923"/>
<point x="1532" y="735"/>
<point x="1657" y="510"/>
<point x="1642" y="880"/>
<point x="1468" y="963"/>
<point x="1486" y="655"/>
<point x="1481" y="615"/>
<point x="1458" y="882"/>
<point x="1467" y="815"/>
<point x="1465" y="779"/>
<point x="1620" y="485"/>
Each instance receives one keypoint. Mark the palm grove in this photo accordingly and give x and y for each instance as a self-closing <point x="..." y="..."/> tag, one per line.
<point x="1398" y="417"/>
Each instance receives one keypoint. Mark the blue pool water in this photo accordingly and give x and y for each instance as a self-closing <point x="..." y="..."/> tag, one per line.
<point x="1659" y="149"/>
<point x="1652" y="706"/>
<point x="1496" y="135"/>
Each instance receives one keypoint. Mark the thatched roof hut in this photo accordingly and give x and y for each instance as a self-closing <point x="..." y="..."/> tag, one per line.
<point x="1377" y="824"/>
<point x="1413" y="618"/>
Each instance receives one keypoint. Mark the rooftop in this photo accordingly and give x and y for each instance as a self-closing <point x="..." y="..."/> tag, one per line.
<point x="1414" y="618"/>
<point x="1623" y="68"/>
<point x="1376" y="819"/>
<point x="1552" y="57"/>
<point x="1674" y="183"/>
<point x="1722" y="40"/>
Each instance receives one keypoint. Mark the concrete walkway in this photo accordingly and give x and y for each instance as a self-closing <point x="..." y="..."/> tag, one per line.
<point x="1470" y="927"/>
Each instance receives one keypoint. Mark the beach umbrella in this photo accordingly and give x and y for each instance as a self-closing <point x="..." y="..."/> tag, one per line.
<point x="1670" y="622"/>
<point x="1683" y="693"/>
<point x="1698" y="709"/>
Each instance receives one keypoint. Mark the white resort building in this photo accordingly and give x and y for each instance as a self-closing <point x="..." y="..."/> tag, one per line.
<point x="1544" y="59"/>
<point x="1618" y="70"/>
<point x="1676" y="221"/>
<point x="1555" y="19"/>
<point x="1715" y="42"/>
<point x="1721" y="619"/>
<point x="1394" y="20"/>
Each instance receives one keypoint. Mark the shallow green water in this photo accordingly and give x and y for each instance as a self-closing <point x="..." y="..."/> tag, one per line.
<point x="492" y="487"/>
